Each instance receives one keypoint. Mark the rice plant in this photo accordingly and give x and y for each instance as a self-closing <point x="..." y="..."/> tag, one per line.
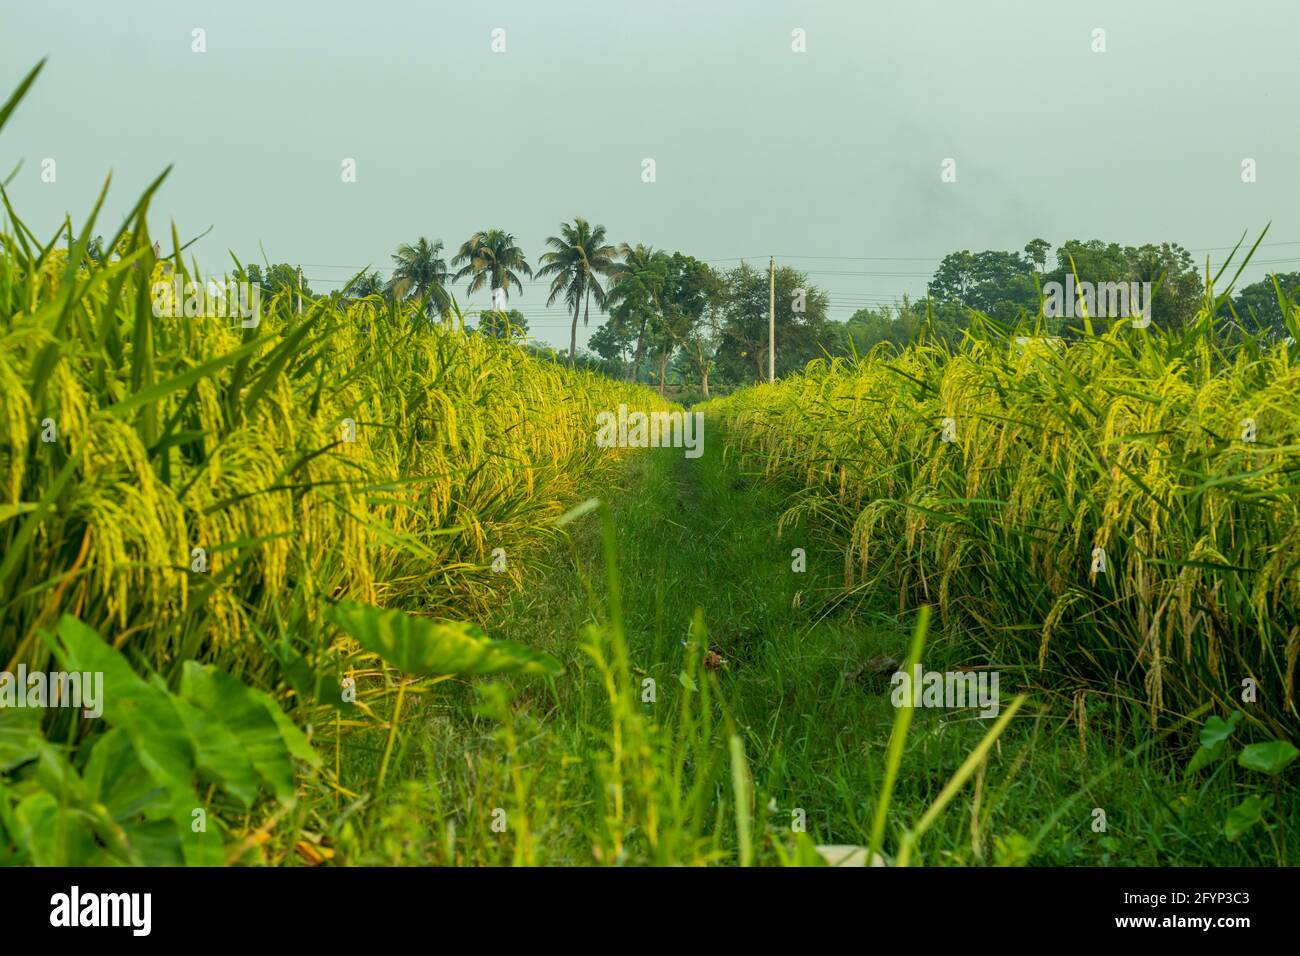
<point x="1118" y="514"/>
<point x="201" y="488"/>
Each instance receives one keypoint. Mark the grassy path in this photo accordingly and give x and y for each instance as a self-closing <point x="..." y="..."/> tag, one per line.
<point x="515" y="772"/>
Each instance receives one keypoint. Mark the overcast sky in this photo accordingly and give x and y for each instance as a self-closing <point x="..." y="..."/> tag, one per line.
<point x="759" y="150"/>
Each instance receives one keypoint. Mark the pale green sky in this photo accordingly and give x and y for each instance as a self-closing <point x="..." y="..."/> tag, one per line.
<point x="759" y="150"/>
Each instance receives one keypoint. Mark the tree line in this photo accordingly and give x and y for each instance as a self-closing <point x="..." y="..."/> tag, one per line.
<point x="670" y="317"/>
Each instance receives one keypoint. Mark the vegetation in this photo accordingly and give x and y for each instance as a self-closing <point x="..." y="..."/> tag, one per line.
<point x="1117" y="511"/>
<point x="578" y="258"/>
<point x="362" y="588"/>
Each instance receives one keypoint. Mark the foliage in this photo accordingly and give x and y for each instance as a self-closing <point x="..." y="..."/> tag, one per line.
<point x="132" y="795"/>
<point x="578" y="258"/>
<point x="491" y="258"/>
<point x="512" y="325"/>
<point x="992" y="479"/>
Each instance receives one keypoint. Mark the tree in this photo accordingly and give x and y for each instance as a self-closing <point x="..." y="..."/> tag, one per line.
<point x="490" y="258"/>
<point x="867" y="328"/>
<point x="578" y="258"/>
<point x="1178" y="298"/>
<point x="1036" y="251"/>
<point x="496" y="324"/>
<point x="800" y="322"/>
<point x="1174" y="303"/>
<point x="1257" y="304"/>
<point x="421" y="274"/>
<point x="613" y="342"/>
<point x="365" y="285"/>
<point x="278" y="277"/>
<point x="999" y="284"/>
<point x="636" y="284"/>
<point x="690" y="288"/>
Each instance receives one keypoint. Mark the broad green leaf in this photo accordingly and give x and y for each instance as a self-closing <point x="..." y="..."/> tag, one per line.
<point x="57" y="776"/>
<point x="219" y="755"/>
<point x="423" y="647"/>
<point x="1243" y="816"/>
<point x="1204" y="756"/>
<point x="157" y="732"/>
<point x="52" y="834"/>
<point x="59" y="779"/>
<point x="145" y="712"/>
<point x="135" y="805"/>
<point x="8" y="824"/>
<point x="116" y="779"/>
<point x="293" y="738"/>
<point x="1270" y="758"/>
<point x="1214" y="738"/>
<point x="154" y="842"/>
<point x="20" y="736"/>
<point x="246" y="723"/>
<point x="1217" y="730"/>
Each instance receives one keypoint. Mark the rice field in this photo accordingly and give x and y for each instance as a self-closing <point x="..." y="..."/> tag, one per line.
<point x="365" y="588"/>
<point x="1118" y="516"/>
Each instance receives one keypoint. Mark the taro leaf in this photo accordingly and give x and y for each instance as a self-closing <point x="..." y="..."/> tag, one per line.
<point x="218" y="753"/>
<point x="154" y="843"/>
<point x="1214" y="738"/>
<point x="131" y="801"/>
<point x="145" y="712"/>
<point x="1217" y="730"/>
<point x="423" y="647"/>
<point x="149" y="717"/>
<point x="115" y="778"/>
<point x="1204" y="757"/>
<point x="7" y="827"/>
<point x="53" y="835"/>
<point x="247" y="725"/>
<point x="20" y="736"/>
<point x="1270" y="758"/>
<point x="58" y="777"/>
<point x="55" y="774"/>
<point x="293" y="738"/>
<point x="1243" y="816"/>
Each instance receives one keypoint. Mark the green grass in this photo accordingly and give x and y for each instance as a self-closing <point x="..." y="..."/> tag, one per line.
<point x="698" y="536"/>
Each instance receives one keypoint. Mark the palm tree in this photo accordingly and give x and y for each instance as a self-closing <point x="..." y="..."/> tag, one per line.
<point x="578" y="257"/>
<point x="364" y="285"/>
<point x="490" y="257"/>
<point x="421" y="274"/>
<point x="636" y="287"/>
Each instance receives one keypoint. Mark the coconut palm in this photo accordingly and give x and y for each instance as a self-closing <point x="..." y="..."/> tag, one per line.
<point x="578" y="258"/>
<point x="490" y="258"/>
<point x="634" y="297"/>
<point x="421" y="274"/>
<point x="364" y="285"/>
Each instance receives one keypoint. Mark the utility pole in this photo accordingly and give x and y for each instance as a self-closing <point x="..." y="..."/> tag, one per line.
<point x="771" y="319"/>
<point x="300" y="290"/>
